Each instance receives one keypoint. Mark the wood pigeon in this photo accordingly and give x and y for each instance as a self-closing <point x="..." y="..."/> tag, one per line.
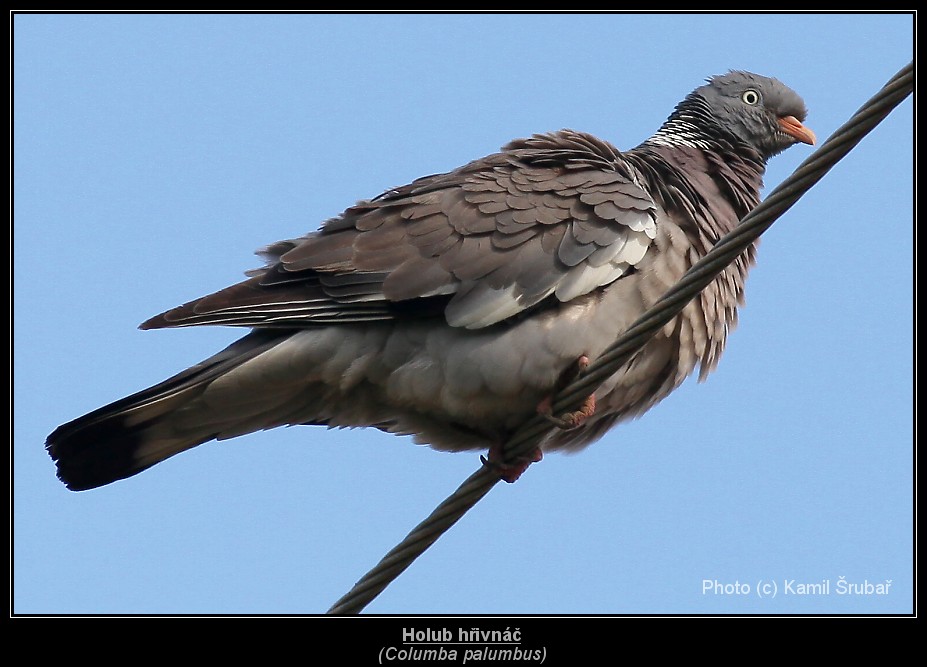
<point x="453" y="308"/>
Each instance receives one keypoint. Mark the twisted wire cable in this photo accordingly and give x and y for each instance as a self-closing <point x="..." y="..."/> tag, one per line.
<point x="725" y="251"/>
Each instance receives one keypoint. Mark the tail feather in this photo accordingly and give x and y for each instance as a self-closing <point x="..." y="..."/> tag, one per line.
<point x="129" y="435"/>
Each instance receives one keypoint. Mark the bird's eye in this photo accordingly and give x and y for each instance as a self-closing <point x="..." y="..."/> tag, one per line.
<point x="750" y="97"/>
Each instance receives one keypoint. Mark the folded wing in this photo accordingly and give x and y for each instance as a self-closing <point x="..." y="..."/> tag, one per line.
<point x="549" y="218"/>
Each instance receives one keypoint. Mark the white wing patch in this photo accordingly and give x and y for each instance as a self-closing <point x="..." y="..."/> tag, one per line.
<point x="476" y="305"/>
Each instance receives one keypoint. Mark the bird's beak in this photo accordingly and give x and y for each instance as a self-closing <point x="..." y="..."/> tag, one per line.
<point x="793" y="127"/>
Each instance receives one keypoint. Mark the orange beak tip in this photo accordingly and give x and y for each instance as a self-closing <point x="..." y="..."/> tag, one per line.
<point x="794" y="128"/>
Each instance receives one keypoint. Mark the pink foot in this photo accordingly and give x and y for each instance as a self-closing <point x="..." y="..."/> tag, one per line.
<point x="510" y="472"/>
<point x="568" y="420"/>
<point x="576" y="418"/>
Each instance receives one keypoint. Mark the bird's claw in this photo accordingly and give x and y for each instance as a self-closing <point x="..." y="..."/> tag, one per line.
<point x="568" y="420"/>
<point x="511" y="471"/>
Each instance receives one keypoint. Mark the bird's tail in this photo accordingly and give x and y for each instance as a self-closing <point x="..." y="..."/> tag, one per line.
<point x="138" y="431"/>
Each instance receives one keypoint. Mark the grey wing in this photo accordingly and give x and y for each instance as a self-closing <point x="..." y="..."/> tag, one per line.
<point x="477" y="245"/>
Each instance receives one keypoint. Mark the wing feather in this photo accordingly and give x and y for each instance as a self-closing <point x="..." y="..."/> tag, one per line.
<point x="556" y="215"/>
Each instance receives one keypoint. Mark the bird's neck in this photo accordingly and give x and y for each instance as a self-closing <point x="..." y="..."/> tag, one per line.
<point x="695" y="181"/>
<point x="683" y="131"/>
<point x="692" y="125"/>
<point x="692" y="153"/>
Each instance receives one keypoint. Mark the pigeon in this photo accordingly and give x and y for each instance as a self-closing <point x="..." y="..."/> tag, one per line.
<point x="453" y="308"/>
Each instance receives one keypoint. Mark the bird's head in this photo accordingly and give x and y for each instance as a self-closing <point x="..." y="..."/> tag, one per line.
<point x="759" y="111"/>
<point x="739" y="108"/>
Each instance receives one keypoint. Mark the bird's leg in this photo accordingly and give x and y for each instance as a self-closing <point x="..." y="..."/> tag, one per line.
<point x="576" y="418"/>
<point x="510" y="472"/>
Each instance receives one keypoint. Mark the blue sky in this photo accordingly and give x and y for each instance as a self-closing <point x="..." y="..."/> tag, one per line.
<point x="155" y="153"/>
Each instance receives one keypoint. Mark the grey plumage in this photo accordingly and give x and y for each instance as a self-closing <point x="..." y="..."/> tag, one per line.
<point x="450" y="308"/>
